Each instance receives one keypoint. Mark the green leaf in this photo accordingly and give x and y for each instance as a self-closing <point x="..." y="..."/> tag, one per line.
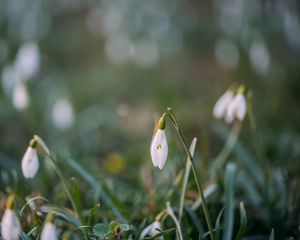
<point x="125" y="227"/>
<point x="229" y="202"/>
<point x="101" y="229"/>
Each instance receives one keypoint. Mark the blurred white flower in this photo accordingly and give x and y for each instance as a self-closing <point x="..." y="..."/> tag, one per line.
<point x="221" y="105"/>
<point x="49" y="232"/>
<point x="28" y="60"/>
<point x="62" y="114"/>
<point x="260" y="57"/>
<point x="151" y="230"/>
<point x="159" y="146"/>
<point x="30" y="162"/>
<point x="20" y="97"/>
<point x="10" y="225"/>
<point x="237" y="108"/>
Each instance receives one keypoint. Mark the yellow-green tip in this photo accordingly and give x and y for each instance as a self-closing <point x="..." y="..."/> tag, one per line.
<point x="33" y="143"/>
<point x="161" y="123"/>
<point x="10" y="202"/>
<point x="241" y="89"/>
<point x="50" y="218"/>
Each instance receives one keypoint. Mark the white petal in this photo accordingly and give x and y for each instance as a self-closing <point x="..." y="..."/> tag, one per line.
<point x="159" y="149"/>
<point x="242" y="110"/>
<point x="10" y="225"/>
<point x="156" y="228"/>
<point x="237" y="108"/>
<point x="146" y="231"/>
<point x="30" y="163"/>
<point x="151" y="230"/>
<point x="49" y="232"/>
<point x="222" y="104"/>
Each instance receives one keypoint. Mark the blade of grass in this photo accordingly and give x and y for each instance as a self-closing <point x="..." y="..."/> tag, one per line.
<point x="272" y="235"/>
<point x="195" y="220"/>
<point x="218" y="225"/>
<point x="243" y="155"/>
<point x="99" y="191"/>
<point x="186" y="178"/>
<point x="229" y="202"/>
<point x="243" y="221"/>
<point x="76" y="196"/>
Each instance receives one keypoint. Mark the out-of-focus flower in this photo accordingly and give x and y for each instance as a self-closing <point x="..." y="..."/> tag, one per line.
<point x="30" y="161"/>
<point x="20" y="97"/>
<point x="221" y="105"/>
<point x="159" y="146"/>
<point x="151" y="230"/>
<point x="10" y="224"/>
<point x="62" y="114"/>
<point x="237" y="108"/>
<point x="49" y="229"/>
<point x="28" y="60"/>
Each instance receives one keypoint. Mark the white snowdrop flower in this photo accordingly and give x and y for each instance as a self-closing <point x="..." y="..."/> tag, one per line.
<point x="237" y="108"/>
<point x="30" y="161"/>
<point x="20" y="97"/>
<point x="221" y="105"/>
<point x="62" y="114"/>
<point x="159" y="146"/>
<point x="151" y="230"/>
<point x="10" y="224"/>
<point x="49" y="229"/>
<point x="28" y="60"/>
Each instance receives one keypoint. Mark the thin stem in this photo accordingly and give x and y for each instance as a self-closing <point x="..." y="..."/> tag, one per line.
<point x="197" y="180"/>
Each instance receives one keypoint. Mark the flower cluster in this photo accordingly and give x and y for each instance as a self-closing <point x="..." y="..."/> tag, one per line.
<point x="232" y="105"/>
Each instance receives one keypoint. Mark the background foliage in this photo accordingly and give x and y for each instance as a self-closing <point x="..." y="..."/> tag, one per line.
<point x="108" y="69"/>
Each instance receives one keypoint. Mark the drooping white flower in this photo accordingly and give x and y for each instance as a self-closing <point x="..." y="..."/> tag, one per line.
<point x="30" y="161"/>
<point x="221" y="105"/>
<point x="159" y="146"/>
<point x="10" y="224"/>
<point x="237" y="108"/>
<point x="151" y="230"/>
<point x="49" y="232"/>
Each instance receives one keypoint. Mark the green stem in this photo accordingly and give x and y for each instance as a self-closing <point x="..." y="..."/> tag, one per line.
<point x="197" y="180"/>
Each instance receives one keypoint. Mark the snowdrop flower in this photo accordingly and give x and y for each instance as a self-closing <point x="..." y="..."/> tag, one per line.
<point x="49" y="229"/>
<point x="221" y="105"/>
<point x="237" y="108"/>
<point x="10" y="224"/>
<point x="30" y="161"/>
<point x="151" y="230"/>
<point x="159" y="146"/>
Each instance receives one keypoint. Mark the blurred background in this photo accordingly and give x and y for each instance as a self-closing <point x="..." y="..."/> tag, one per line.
<point x="92" y="78"/>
